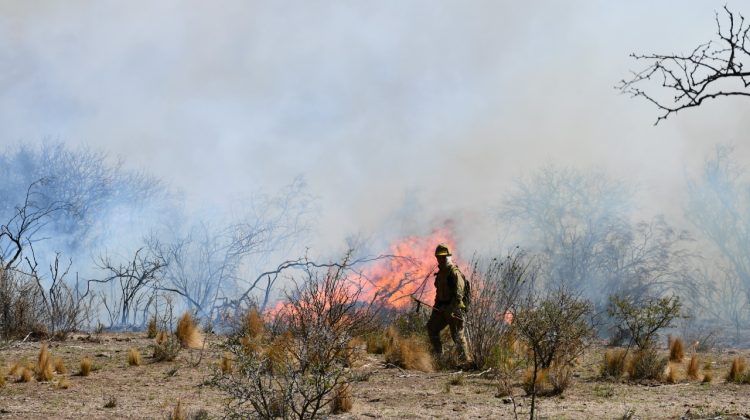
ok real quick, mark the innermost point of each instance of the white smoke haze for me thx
(400, 117)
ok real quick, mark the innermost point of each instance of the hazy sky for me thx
(399, 114)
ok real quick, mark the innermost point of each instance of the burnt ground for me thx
(152, 389)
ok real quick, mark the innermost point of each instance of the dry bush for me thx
(60, 366)
(614, 363)
(737, 370)
(672, 374)
(26, 375)
(342, 401)
(692, 370)
(43, 368)
(178, 413)
(646, 364)
(152, 330)
(676, 350)
(226, 364)
(300, 362)
(21, 306)
(134, 357)
(495, 287)
(85, 368)
(188, 333)
(409, 353)
(167, 349)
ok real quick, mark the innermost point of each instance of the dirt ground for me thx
(153, 389)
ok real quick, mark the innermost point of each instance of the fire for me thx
(409, 273)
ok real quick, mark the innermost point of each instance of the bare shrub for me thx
(188, 333)
(676, 350)
(85, 368)
(496, 287)
(410, 353)
(737, 370)
(556, 329)
(646, 364)
(134, 357)
(692, 370)
(311, 336)
(167, 349)
(343, 401)
(614, 363)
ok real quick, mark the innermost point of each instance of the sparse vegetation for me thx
(166, 349)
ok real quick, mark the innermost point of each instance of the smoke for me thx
(401, 117)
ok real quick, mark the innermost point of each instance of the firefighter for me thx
(450, 304)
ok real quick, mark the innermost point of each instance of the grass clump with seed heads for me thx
(152, 328)
(226, 364)
(85, 368)
(60, 366)
(178, 413)
(188, 333)
(134, 357)
(692, 370)
(737, 370)
(343, 401)
(408, 353)
(676, 350)
(43, 369)
(614, 363)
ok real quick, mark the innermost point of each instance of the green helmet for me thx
(442, 250)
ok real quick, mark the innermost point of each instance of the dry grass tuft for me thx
(343, 401)
(2, 376)
(60, 366)
(408, 353)
(646, 364)
(161, 337)
(134, 357)
(43, 368)
(226, 364)
(26, 375)
(375, 342)
(15, 369)
(152, 330)
(167, 349)
(707, 373)
(252, 324)
(737, 370)
(692, 370)
(676, 350)
(178, 413)
(63, 383)
(528, 380)
(85, 368)
(672, 374)
(614, 363)
(188, 333)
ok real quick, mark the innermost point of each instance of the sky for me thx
(400, 116)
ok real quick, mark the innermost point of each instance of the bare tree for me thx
(138, 276)
(711, 70)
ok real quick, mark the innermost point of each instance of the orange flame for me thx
(409, 273)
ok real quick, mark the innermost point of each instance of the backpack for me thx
(467, 288)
